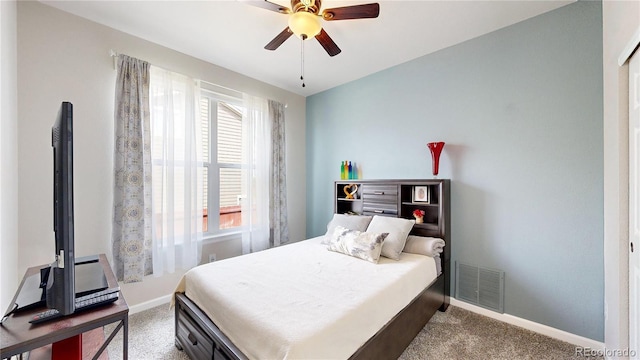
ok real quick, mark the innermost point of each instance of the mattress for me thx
(301, 301)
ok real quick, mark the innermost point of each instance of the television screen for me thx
(60, 294)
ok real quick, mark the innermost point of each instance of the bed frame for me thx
(200, 338)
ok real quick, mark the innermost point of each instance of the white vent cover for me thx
(479, 286)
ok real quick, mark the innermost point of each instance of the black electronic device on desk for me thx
(91, 289)
(68, 284)
(18, 335)
(83, 303)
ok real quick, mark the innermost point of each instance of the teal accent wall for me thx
(520, 110)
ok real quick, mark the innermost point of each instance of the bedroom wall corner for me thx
(9, 275)
(520, 110)
(63, 57)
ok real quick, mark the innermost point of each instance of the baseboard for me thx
(533, 326)
(150, 304)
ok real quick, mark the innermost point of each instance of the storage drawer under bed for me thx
(193, 340)
(196, 344)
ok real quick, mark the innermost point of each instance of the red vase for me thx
(436, 149)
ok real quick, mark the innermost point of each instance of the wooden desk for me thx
(18, 336)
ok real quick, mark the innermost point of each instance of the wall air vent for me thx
(479, 286)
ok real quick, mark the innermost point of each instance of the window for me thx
(221, 123)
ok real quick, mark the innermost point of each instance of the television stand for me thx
(18, 336)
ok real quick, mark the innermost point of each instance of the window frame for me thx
(213, 167)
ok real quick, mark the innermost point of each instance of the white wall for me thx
(620, 21)
(9, 275)
(62, 57)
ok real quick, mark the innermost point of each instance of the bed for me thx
(300, 301)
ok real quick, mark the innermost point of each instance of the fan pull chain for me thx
(302, 59)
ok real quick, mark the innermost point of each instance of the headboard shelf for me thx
(399, 198)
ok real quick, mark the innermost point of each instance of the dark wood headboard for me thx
(399, 198)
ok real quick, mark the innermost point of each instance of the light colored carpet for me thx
(454, 334)
(461, 334)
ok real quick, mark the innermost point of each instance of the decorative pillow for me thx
(351, 222)
(422, 245)
(362, 245)
(398, 230)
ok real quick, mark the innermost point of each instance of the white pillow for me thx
(398, 230)
(362, 245)
(351, 222)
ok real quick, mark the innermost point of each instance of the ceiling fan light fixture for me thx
(304, 24)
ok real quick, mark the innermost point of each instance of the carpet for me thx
(454, 334)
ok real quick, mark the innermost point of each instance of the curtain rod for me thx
(221, 87)
(114, 54)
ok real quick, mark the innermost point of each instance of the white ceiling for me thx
(234, 34)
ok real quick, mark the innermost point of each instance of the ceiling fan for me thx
(304, 20)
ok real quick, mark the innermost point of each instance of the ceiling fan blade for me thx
(363, 11)
(279, 39)
(268, 5)
(327, 43)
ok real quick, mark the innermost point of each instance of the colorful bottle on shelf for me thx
(345, 173)
(349, 170)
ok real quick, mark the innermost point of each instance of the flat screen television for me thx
(60, 284)
(60, 293)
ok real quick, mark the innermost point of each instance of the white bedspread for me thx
(301, 301)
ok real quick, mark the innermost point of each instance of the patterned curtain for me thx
(278, 218)
(131, 237)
